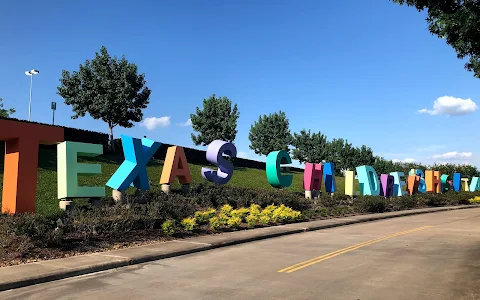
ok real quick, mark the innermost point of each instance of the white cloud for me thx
(406, 160)
(451, 106)
(153, 122)
(453, 155)
(187, 123)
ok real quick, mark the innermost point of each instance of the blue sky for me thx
(360, 70)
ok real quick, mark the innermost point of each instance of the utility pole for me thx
(54, 107)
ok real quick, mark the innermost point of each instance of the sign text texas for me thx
(21, 162)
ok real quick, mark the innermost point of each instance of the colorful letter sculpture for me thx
(175, 166)
(422, 186)
(215, 156)
(133, 170)
(329, 177)
(21, 162)
(349, 183)
(457, 181)
(68, 170)
(312, 177)
(412, 184)
(445, 183)
(367, 177)
(432, 179)
(398, 183)
(475, 185)
(386, 185)
(274, 161)
(466, 187)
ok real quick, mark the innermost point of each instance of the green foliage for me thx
(345, 156)
(457, 22)
(264, 219)
(206, 121)
(283, 214)
(223, 219)
(268, 211)
(168, 227)
(371, 204)
(252, 219)
(106, 88)
(234, 222)
(226, 210)
(202, 217)
(241, 213)
(317, 212)
(215, 223)
(270, 133)
(255, 209)
(219, 195)
(309, 147)
(5, 113)
(189, 224)
(474, 200)
(27, 235)
(405, 202)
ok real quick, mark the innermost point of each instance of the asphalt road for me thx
(432, 256)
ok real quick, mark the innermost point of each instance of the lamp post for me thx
(54, 107)
(31, 73)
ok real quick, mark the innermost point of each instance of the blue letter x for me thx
(133, 170)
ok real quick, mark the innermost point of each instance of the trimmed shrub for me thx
(268, 211)
(372, 204)
(226, 210)
(255, 209)
(404, 202)
(240, 212)
(219, 195)
(215, 223)
(203, 217)
(285, 214)
(234, 222)
(328, 201)
(252, 220)
(223, 219)
(168, 227)
(264, 219)
(189, 224)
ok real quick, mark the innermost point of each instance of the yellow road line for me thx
(318, 259)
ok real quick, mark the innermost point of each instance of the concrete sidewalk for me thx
(44, 271)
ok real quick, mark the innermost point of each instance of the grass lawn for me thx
(47, 202)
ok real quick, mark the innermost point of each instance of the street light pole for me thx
(54, 107)
(30, 103)
(31, 73)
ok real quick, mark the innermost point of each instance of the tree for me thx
(270, 133)
(366, 156)
(5, 113)
(457, 21)
(217, 121)
(335, 148)
(309, 147)
(350, 157)
(106, 88)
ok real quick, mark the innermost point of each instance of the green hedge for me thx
(24, 235)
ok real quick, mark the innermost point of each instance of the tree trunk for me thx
(111, 145)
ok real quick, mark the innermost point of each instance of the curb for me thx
(19, 276)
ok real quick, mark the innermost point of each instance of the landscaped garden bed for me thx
(205, 209)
